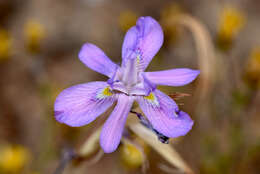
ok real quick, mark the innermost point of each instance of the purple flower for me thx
(81, 104)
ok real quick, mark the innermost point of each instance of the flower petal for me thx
(145, 39)
(130, 42)
(113, 128)
(164, 115)
(173, 77)
(94, 58)
(81, 104)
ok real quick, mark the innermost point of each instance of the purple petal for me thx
(81, 104)
(94, 58)
(164, 115)
(130, 42)
(145, 39)
(113, 128)
(173, 77)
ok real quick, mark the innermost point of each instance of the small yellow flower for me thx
(131, 156)
(253, 67)
(34, 33)
(126, 20)
(13, 158)
(170, 10)
(5, 45)
(231, 22)
(171, 31)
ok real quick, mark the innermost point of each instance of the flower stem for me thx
(67, 156)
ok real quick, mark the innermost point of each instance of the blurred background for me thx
(39, 43)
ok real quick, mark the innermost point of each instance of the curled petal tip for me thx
(58, 116)
(197, 72)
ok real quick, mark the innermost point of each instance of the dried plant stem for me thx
(205, 50)
(206, 58)
(165, 150)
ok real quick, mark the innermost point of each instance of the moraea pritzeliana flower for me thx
(81, 104)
